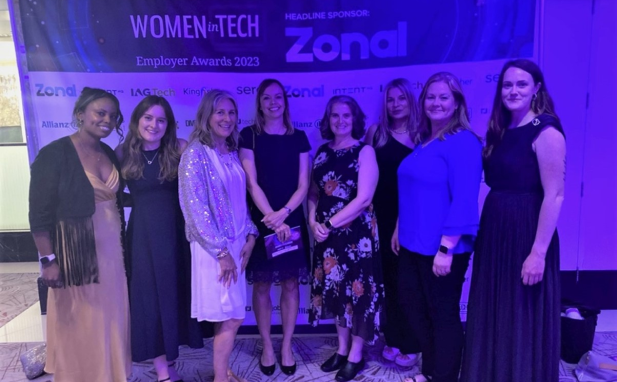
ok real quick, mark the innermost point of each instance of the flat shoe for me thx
(350, 370)
(334, 363)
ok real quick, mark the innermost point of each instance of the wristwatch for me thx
(47, 260)
(287, 209)
(443, 249)
(328, 224)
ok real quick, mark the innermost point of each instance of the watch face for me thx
(44, 260)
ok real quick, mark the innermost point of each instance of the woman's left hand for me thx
(442, 264)
(245, 253)
(274, 219)
(533, 269)
(283, 232)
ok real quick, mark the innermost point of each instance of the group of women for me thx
(195, 237)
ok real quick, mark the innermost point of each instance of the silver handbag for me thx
(33, 361)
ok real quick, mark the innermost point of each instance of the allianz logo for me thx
(395, 44)
(55, 91)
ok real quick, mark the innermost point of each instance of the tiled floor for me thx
(26, 330)
(195, 365)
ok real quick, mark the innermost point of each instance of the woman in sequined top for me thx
(218, 225)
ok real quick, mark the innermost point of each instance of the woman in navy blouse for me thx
(438, 221)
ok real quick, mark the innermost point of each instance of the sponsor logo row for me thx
(292, 91)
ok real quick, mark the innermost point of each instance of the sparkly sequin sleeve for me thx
(250, 227)
(202, 224)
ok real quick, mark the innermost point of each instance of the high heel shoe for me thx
(267, 370)
(334, 363)
(350, 370)
(288, 370)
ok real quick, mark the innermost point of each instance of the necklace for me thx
(88, 153)
(151, 160)
(400, 132)
(227, 159)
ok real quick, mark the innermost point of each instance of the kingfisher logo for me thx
(196, 91)
(304, 92)
(55, 91)
(138, 92)
(395, 44)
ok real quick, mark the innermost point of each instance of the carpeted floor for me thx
(311, 351)
(18, 292)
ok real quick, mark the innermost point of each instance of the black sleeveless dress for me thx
(513, 330)
(347, 277)
(159, 269)
(394, 326)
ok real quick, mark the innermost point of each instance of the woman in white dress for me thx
(218, 224)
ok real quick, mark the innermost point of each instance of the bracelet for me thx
(223, 253)
(287, 209)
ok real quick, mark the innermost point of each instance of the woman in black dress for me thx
(514, 304)
(158, 253)
(392, 140)
(347, 282)
(275, 158)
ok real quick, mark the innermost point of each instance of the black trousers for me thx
(395, 326)
(431, 304)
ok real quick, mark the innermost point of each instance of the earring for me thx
(534, 96)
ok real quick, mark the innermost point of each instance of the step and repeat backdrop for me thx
(317, 49)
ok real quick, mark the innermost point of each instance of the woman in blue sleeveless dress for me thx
(158, 253)
(514, 304)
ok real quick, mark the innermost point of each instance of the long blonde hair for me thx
(460, 118)
(385, 121)
(203, 130)
(169, 152)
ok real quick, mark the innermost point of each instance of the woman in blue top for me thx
(438, 221)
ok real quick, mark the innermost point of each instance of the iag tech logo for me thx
(55, 91)
(143, 92)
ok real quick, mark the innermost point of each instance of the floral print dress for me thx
(347, 283)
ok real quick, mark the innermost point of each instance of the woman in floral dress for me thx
(347, 282)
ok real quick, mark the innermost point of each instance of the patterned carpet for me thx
(18, 292)
(311, 351)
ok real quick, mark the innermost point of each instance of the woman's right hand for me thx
(319, 231)
(229, 271)
(51, 275)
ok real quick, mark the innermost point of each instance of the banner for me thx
(183, 49)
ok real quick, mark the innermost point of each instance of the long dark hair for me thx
(260, 121)
(501, 116)
(169, 152)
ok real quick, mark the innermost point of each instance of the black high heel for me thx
(350, 370)
(267, 370)
(288, 370)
